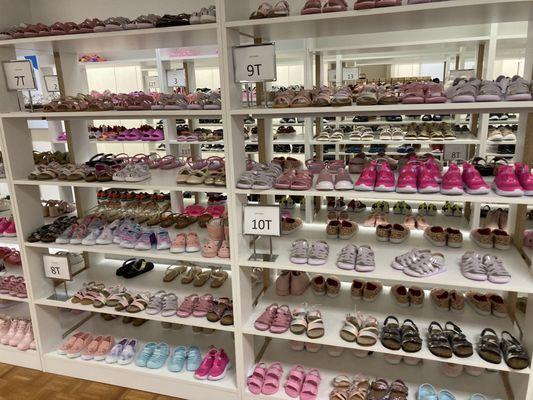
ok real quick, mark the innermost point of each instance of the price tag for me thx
(255, 63)
(176, 78)
(57, 267)
(152, 82)
(51, 82)
(262, 220)
(350, 74)
(184, 150)
(19, 75)
(454, 152)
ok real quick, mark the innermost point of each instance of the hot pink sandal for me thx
(295, 381)
(310, 386)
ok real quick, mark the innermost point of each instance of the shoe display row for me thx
(161, 302)
(9, 257)
(111, 24)
(107, 133)
(13, 285)
(16, 332)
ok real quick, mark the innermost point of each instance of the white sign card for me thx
(350, 74)
(52, 83)
(262, 221)
(57, 267)
(19, 75)
(152, 82)
(255, 63)
(184, 150)
(176, 78)
(454, 152)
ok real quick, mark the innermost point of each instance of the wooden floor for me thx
(18, 383)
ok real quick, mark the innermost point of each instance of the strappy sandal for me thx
(189, 275)
(101, 299)
(315, 325)
(123, 300)
(227, 317)
(139, 303)
(368, 334)
(514, 353)
(438, 343)
(411, 340)
(350, 327)
(398, 390)
(299, 320)
(183, 221)
(173, 271)
(310, 384)
(218, 277)
(391, 336)
(460, 345)
(489, 346)
(302, 99)
(217, 311)
(334, 6)
(201, 278)
(379, 389)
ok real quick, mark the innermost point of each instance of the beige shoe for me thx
(383, 232)
(479, 302)
(416, 296)
(454, 237)
(440, 299)
(318, 285)
(492, 221)
(347, 229)
(483, 237)
(299, 283)
(400, 295)
(372, 290)
(436, 235)
(332, 229)
(502, 240)
(357, 289)
(290, 225)
(398, 233)
(457, 301)
(498, 305)
(283, 283)
(333, 286)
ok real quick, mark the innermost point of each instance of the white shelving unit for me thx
(53, 318)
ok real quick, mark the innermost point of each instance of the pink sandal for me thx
(282, 320)
(334, 6)
(435, 93)
(203, 306)
(364, 4)
(272, 379)
(312, 7)
(310, 386)
(388, 3)
(295, 380)
(413, 93)
(188, 305)
(264, 321)
(256, 380)
(303, 180)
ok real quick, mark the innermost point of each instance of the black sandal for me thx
(391, 336)
(411, 340)
(514, 353)
(139, 267)
(438, 342)
(126, 265)
(460, 345)
(489, 346)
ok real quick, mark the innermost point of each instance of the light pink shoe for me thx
(33, 345)
(5, 323)
(310, 386)
(325, 180)
(272, 379)
(81, 343)
(203, 371)
(385, 181)
(179, 243)
(105, 346)
(473, 181)
(367, 179)
(204, 304)
(427, 181)
(215, 229)
(295, 379)
(525, 178)
(452, 181)
(193, 243)
(223, 251)
(210, 249)
(19, 334)
(89, 351)
(69, 342)
(11, 332)
(506, 183)
(10, 230)
(407, 179)
(220, 367)
(28, 338)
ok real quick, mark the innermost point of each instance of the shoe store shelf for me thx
(404, 122)
(13, 298)
(138, 114)
(334, 311)
(443, 108)
(374, 367)
(114, 249)
(152, 282)
(386, 19)
(9, 240)
(161, 180)
(173, 141)
(162, 381)
(135, 39)
(27, 359)
(385, 252)
(460, 139)
(492, 197)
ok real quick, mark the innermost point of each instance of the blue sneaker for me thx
(145, 354)
(194, 358)
(426, 392)
(159, 356)
(177, 360)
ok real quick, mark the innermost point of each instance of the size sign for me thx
(350, 74)
(57, 267)
(51, 82)
(262, 220)
(176, 78)
(184, 150)
(454, 152)
(255, 63)
(19, 75)
(152, 82)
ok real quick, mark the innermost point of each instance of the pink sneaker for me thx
(367, 180)
(223, 251)
(452, 181)
(427, 181)
(19, 334)
(89, 352)
(5, 323)
(473, 181)
(193, 243)
(79, 344)
(220, 366)
(10, 230)
(434, 167)
(4, 223)
(524, 177)
(506, 183)
(203, 371)
(27, 339)
(385, 182)
(325, 180)
(179, 243)
(11, 332)
(407, 179)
